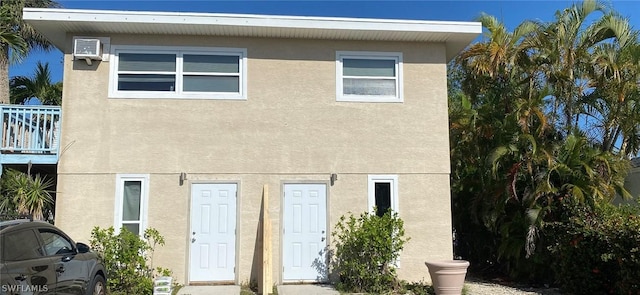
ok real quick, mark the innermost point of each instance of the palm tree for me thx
(24, 194)
(613, 106)
(500, 52)
(13, 26)
(12, 40)
(496, 61)
(564, 47)
(24, 88)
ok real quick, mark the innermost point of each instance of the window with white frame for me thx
(178, 72)
(369, 76)
(383, 193)
(132, 195)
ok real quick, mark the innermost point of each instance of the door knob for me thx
(322, 239)
(193, 240)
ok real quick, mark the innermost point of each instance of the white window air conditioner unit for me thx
(87, 49)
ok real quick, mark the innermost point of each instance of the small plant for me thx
(176, 288)
(366, 248)
(249, 287)
(418, 288)
(422, 288)
(128, 259)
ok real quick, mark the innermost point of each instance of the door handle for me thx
(322, 239)
(20, 278)
(193, 240)
(60, 269)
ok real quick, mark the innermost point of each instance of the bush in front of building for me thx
(597, 251)
(128, 259)
(366, 250)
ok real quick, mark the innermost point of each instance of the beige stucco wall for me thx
(289, 129)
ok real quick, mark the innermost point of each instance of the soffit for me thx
(54, 24)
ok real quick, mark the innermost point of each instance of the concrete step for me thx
(307, 290)
(208, 290)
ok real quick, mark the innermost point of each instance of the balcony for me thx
(30, 134)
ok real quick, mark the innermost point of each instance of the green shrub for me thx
(23, 194)
(128, 259)
(418, 288)
(366, 248)
(597, 251)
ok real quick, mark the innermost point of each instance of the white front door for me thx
(213, 232)
(305, 232)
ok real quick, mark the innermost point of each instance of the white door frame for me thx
(328, 215)
(188, 220)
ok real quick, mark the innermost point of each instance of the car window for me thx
(54, 243)
(20, 245)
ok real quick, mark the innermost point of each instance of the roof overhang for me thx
(54, 24)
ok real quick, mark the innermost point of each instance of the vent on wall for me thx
(87, 49)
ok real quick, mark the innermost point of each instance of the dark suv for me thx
(38, 258)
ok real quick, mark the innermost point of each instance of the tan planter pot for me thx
(447, 276)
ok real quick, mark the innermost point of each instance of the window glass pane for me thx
(383, 197)
(369, 87)
(131, 200)
(147, 82)
(132, 227)
(212, 84)
(369, 67)
(146, 62)
(55, 244)
(211, 63)
(20, 245)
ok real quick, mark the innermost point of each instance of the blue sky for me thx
(511, 12)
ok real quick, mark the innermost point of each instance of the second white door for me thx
(213, 232)
(305, 232)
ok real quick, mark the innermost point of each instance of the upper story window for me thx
(369, 76)
(178, 72)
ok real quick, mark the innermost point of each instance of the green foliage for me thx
(22, 193)
(17, 38)
(419, 288)
(12, 23)
(23, 88)
(13, 40)
(366, 248)
(546, 112)
(597, 251)
(249, 287)
(128, 259)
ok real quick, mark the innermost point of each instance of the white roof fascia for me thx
(51, 23)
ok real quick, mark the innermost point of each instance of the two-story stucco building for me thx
(184, 117)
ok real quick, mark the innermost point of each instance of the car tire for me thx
(98, 286)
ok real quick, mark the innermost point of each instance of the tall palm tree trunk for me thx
(11, 23)
(4, 74)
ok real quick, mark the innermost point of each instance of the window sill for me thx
(142, 95)
(369, 99)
